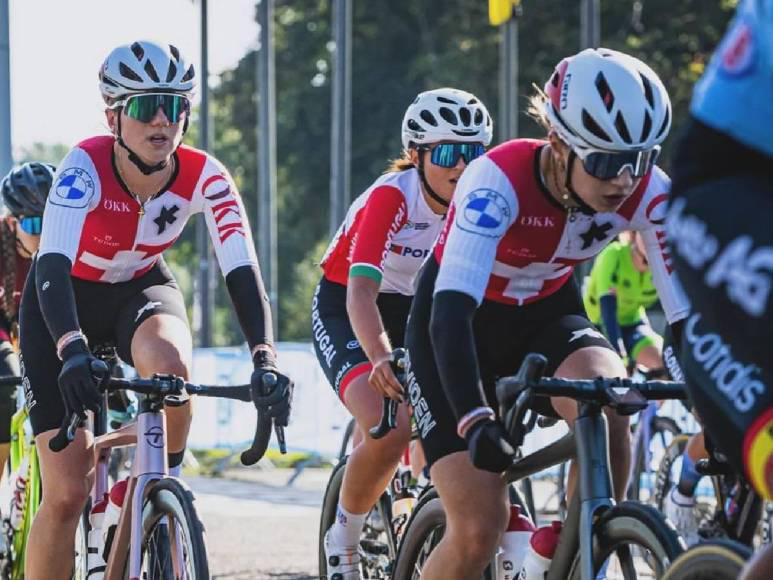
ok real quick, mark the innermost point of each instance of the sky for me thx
(57, 47)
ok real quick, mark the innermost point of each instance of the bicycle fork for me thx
(594, 494)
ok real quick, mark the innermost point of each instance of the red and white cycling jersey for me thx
(387, 233)
(93, 220)
(508, 240)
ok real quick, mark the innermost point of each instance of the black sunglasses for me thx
(603, 165)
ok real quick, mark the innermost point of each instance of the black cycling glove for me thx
(79, 379)
(489, 446)
(279, 397)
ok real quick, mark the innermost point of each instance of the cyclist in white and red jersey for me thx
(360, 307)
(500, 283)
(117, 203)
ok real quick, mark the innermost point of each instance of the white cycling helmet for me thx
(446, 115)
(601, 99)
(143, 67)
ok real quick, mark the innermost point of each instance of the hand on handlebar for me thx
(276, 401)
(382, 378)
(489, 446)
(79, 379)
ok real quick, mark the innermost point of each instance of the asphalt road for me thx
(257, 526)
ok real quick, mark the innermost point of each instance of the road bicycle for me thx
(25, 484)
(628, 540)
(159, 534)
(382, 530)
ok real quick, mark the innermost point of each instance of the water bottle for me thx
(513, 546)
(95, 561)
(112, 514)
(19, 495)
(540, 553)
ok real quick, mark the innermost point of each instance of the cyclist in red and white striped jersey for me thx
(117, 203)
(360, 307)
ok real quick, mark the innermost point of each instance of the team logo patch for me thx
(74, 188)
(353, 345)
(484, 212)
(738, 53)
(758, 454)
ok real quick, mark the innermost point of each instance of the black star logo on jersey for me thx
(595, 232)
(166, 217)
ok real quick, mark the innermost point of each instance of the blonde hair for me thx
(536, 108)
(402, 163)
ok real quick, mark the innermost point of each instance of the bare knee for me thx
(477, 536)
(65, 501)
(392, 446)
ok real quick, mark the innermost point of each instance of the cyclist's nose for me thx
(160, 118)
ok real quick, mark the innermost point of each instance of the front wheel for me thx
(712, 560)
(424, 532)
(169, 512)
(631, 540)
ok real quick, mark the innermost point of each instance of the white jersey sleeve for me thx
(650, 221)
(226, 218)
(485, 205)
(74, 193)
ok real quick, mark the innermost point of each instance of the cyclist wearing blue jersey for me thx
(719, 227)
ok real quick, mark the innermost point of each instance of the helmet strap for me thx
(145, 168)
(584, 207)
(425, 183)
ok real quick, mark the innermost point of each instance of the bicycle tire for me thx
(170, 497)
(348, 433)
(375, 552)
(424, 531)
(658, 427)
(328, 513)
(719, 559)
(628, 523)
(81, 562)
(663, 480)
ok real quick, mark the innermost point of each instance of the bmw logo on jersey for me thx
(74, 188)
(484, 212)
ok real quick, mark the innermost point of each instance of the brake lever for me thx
(389, 406)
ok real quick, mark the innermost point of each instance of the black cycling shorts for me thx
(722, 243)
(108, 314)
(556, 327)
(338, 351)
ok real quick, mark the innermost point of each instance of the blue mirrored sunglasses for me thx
(448, 154)
(32, 225)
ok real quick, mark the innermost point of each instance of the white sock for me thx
(347, 528)
(681, 499)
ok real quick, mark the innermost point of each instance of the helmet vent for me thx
(478, 117)
(151, 71)
(647, 128)
(428, 117)
(648, 90)
(590, 124)
(175, 52)
(472, 102)
(554, 79)
(171, 72)
(188, 75)
(664, 126)
(447, 100)
(605, 92)
(129, 73)
(448, 115)
(465, 116)
(622, 128)
(138, 51)
(414, 126)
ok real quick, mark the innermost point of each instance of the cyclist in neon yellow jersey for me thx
(618, 291)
